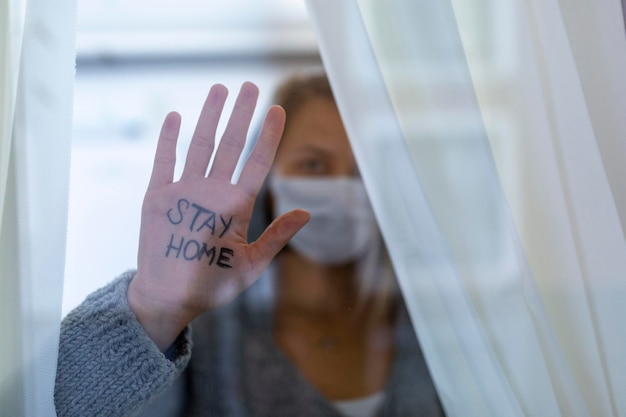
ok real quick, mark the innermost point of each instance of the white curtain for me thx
(36, 76)
(492, 142)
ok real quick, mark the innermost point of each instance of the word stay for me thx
(199, 218)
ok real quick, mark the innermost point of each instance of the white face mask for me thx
(342, 226)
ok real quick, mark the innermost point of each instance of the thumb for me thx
(275, 237)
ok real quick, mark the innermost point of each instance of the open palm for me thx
(193, 253)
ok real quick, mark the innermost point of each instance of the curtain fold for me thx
(37, 75)
(11, 27)
(490, 140)
(12, 24)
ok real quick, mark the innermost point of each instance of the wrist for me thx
(161, 321)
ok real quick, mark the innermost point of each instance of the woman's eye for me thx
(313, 166)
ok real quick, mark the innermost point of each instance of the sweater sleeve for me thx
(108, 366)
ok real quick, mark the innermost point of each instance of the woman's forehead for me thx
(317, 117)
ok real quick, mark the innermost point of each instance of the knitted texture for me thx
(108, 366)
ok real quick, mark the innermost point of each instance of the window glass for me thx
(325, 331)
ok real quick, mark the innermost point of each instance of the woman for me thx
(322, 334)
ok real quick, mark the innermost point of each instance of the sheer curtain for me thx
(493, 147)
(37, 69)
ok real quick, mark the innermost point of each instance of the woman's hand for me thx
(193, 252)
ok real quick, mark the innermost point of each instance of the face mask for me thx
(342, 225)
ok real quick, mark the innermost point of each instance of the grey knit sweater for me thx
(109, 367)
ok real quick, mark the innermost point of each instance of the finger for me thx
(203, 139)
(275, 238)
(260, 160)
(234, 137)
(165, 156)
